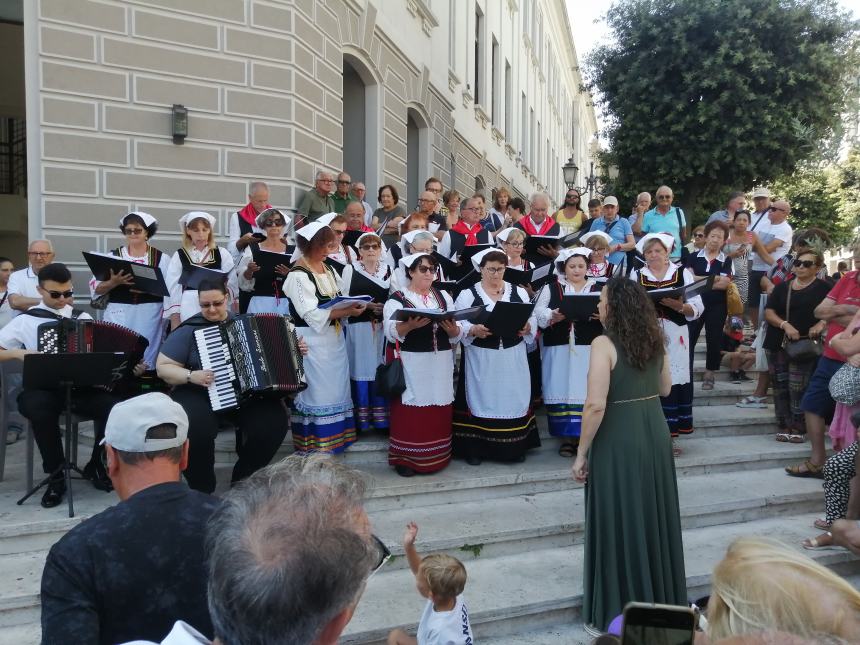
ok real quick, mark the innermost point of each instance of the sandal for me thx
(796, 438)
(823, 542)
(783, 437)
(824, 525)
(567, 450)
(677, 451)
(708, 383)
(812, 470)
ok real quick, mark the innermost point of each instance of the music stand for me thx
(67, 371)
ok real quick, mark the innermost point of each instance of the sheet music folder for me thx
(580, 307)
(537, 277)
(146, 278)
(267, 261)
(508, 318)
(437, 315)
(686, 292)
(361, 285)
(193, 275)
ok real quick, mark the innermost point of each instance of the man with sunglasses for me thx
(341, 196)
(665, 218)
(317, 201)
(775, 234)
(290, 553)
(43, 407)
(23, 285)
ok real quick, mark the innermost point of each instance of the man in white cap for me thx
(131, 571)
(761, 200)
(618, 228)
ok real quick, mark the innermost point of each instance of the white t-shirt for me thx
(767, 232)
(23, 282)
(445, 627)
(22, 332)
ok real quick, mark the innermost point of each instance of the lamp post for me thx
(591, 181)
(570, 170)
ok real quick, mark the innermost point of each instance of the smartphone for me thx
(259, 236)
(651, 624)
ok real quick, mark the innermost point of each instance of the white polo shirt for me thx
(23, 283)
(22, 332)
(767, 232)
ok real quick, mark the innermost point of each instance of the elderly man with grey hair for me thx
(290, 551)
(23, 286)
(539, 222)
(317, 201)
(244, 230)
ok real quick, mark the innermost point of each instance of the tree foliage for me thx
(709, 96)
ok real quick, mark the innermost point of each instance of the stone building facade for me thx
(480, 93)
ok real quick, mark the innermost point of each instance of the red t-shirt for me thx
(846, 292)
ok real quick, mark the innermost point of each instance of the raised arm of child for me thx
(409, 547)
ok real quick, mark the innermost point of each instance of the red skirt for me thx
(420, 437)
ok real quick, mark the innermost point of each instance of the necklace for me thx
(798, 285)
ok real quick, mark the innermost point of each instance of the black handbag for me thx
(802, 349)
(390, 380)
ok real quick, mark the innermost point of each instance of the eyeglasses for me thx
(273, 222)
(40, 254)
(516, 245)
(213, 305)
(494, 270)
(369, 247)
(572, 196)
(343, 181)
(133, 231)
(424, 268)
(56, 295)
(699, 235)
(428, 201)
(326, 181)
(469, 208)
(664, 197)
(339, 232)
(384, 555)
(806, 264)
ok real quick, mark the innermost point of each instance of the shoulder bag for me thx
(802, 349)
(390, 380)
(845, 385)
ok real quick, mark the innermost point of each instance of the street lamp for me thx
(591, 181)
(570, 170)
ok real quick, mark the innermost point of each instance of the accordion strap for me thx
(38, 312)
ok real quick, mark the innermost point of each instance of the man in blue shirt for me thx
(735, 203)
(665, 218)
(618, 228)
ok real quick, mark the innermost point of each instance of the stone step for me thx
(504, 596)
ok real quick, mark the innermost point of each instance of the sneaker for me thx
(735, 377)
(743, 376)
(752, 402)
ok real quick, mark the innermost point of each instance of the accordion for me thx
(251, 355)
(75, 336)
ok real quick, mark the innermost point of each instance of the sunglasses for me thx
(212, 305)
(781, 210)
(133, 231)
(664, 197)
(383, 557)
(56, 295)
(342, 181)
(273, 222)
(424, 268)
(339, 232)
(699, 235)
(806, 264)
(369, 247)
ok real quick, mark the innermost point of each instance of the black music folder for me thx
(351, 237)
(468, 251)
(456, 286)
(536, 277)
(686, 292)
(146, 278)
(437, 315)
(580, 307)
(267, 261)
(534, 242)
(193, 275)
(361, 285)
(508, 318)
(449, 267)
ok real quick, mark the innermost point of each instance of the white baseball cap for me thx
(130, 420)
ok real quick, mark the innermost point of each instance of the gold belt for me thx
(641, 398)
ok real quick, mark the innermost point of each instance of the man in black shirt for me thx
(131, 571)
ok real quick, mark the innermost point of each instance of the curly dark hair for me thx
(631, 320)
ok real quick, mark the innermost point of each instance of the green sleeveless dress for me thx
(633, 547)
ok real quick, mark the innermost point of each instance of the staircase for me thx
(517, 527)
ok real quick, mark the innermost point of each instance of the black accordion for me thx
(251, 356)
(75, 336)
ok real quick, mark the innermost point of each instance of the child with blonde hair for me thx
(441, 579)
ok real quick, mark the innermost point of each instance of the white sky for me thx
(589, 30)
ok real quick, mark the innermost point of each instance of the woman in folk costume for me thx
(266, 287)
(674, 314)
(339, 251)
(417, 241)
(402, 247)
(467, 232)
(420, 440)
(599, 266)
(493, 418)
(365, 337)
(198, 249)
(566, 347)
(322, 418)
(140, 312)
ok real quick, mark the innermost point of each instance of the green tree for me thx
(709, 96)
